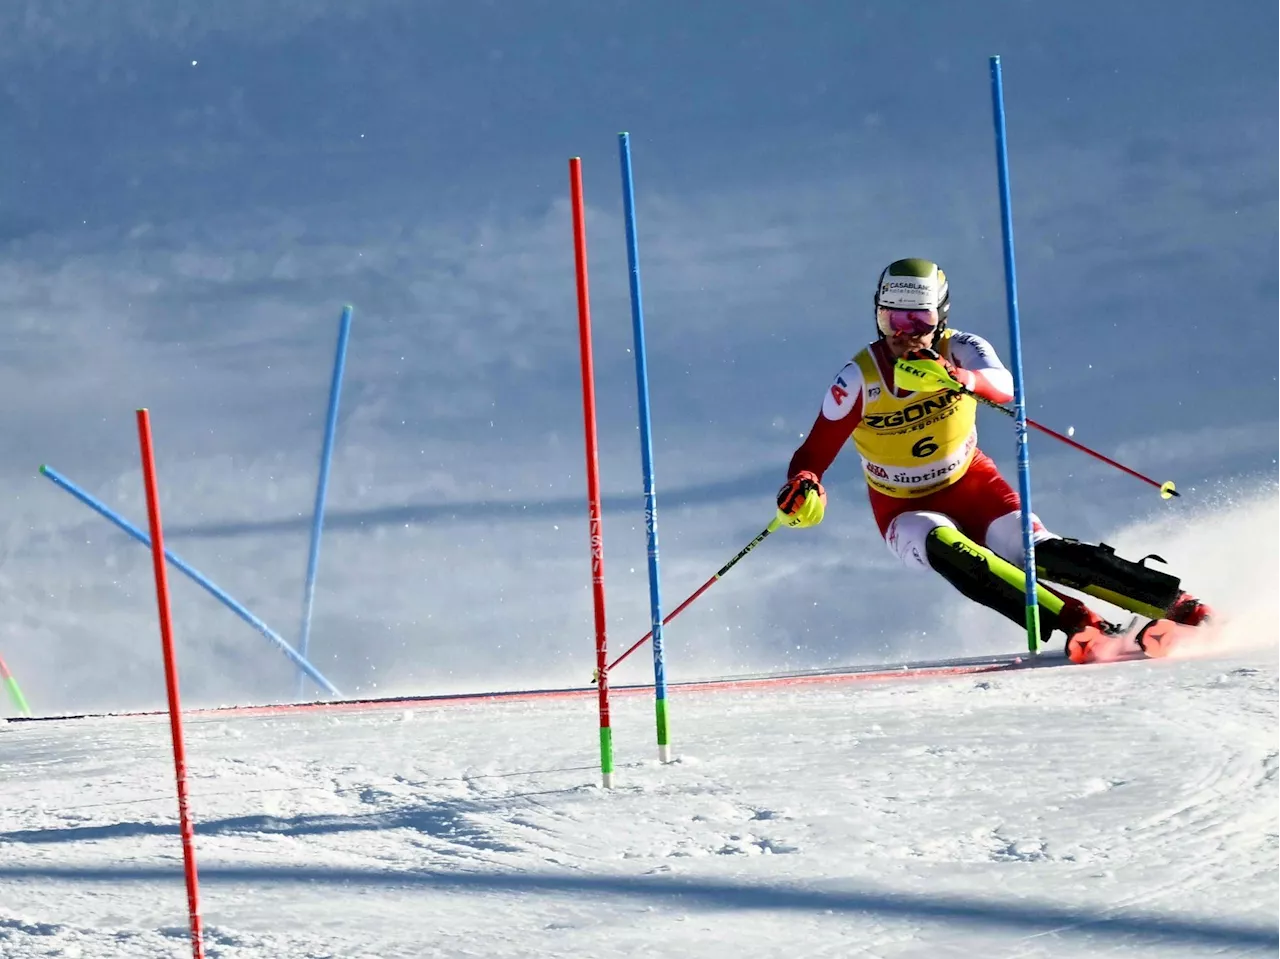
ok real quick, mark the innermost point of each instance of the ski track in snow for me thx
(1119, 810)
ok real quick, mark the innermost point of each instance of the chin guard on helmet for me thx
(911, 285)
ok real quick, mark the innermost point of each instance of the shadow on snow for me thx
(711, 894)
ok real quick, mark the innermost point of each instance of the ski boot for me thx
(1158, 638)
(1189, 611)
(1086, 631)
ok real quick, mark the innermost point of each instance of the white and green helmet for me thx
(914, 284)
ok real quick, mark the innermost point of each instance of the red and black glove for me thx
(802, 501)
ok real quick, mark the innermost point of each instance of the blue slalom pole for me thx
(102, 509)
(646, 452)
(322, 487)
(1015, 352)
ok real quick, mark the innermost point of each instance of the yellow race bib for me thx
(916, 444)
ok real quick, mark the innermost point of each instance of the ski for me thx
(1150, 639)
(1163, 637)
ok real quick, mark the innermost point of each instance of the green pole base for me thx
(606, 757)
(664, 731)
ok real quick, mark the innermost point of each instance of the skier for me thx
(938, 500)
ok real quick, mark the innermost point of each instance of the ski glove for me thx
(929, 370)
(802, 501)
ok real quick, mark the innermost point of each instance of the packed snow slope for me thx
(1124, 811)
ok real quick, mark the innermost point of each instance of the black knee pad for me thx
(1098, 571)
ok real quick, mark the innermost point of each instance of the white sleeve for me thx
(971, 352)
(845, 393)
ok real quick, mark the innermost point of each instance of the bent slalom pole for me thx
(700, 590)
(200, 579)
(927, 374)
(322, 488)
(15, 693)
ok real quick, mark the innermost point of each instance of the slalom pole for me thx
(15, 692)
(594, 510)
(171, 681)
(221, 595)
(646, 452)
(926, 374)
(322, 488)
(700, 590)
(1015, 351)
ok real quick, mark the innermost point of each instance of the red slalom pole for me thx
(593, 467)
(171, 680)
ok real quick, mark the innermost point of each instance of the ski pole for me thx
(915, 371)
(700, 590)
(1166, 488)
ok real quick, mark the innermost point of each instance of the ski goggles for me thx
(906, 322)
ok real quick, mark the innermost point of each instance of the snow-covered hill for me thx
(1127, 810)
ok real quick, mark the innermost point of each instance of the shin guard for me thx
(985, 578)
(1098, 571)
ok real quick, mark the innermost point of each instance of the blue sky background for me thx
(190, 192)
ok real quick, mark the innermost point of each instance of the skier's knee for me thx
(908, 534)
(1004, 536)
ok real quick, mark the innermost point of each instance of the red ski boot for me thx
(1160, 637)
(1088, 634)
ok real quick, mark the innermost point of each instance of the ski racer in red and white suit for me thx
(938, 500)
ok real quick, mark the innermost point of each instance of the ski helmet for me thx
(912, 284)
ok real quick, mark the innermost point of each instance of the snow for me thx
(1117, 810)
(1121, 810)
(164, 251)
